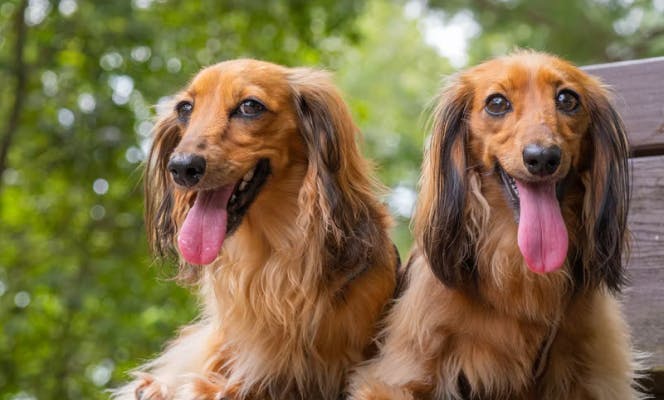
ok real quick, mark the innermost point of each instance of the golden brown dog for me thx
(256, 174)
(520, 228)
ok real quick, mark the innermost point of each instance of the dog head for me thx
(533, 122)
(240, 129)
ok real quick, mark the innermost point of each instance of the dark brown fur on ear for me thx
(337, 184)
(607, 197)
(440, 222)
(159, 196)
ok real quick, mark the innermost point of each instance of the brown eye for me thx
(250, 108)
(184, 109)
(497, 105)
(567, 101)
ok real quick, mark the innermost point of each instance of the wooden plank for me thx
(639, 89)
(644, 297)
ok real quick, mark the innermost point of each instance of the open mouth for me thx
(542, 234)
(512, 190)
(217, 213)
(245, 193)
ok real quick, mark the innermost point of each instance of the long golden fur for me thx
(475, 322)
(291, 302)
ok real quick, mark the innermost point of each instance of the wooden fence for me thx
(639, 97)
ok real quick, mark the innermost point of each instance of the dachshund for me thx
(256, 182)
(520, 228)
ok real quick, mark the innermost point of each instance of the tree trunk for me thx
(20, 78)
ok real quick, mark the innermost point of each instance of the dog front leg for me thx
(189, 355)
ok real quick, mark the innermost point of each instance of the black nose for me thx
(187, 169)
(541, 160)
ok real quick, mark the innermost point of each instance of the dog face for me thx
(532, 122)
(237, 121)
(528, 121)
(528, 116)
(230, 117)
(241, 129)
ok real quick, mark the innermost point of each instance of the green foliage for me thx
(80, 304)
(584, 31)
(81, 301)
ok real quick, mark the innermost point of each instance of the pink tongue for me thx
(204, 229)
(542, 234)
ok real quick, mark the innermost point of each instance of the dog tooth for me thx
(243, 185)
(233, 199)
(248, 175)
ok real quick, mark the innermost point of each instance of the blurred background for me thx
(81, 300)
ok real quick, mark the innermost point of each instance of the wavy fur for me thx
(474, 321)
(292, 301)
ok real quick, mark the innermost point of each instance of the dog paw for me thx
(205, 388)
(148, 388)
(370, 389)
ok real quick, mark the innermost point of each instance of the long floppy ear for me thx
(158, 190)
(440, 216)
(607, 194)
(337, 188)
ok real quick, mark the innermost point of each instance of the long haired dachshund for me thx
(520, 230)
(256, 178)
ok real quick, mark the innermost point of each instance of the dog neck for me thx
(503, 280)
(267, 282)
(278, 282)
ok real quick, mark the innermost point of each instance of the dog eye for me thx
(250, 108)
(497, 105)
(184, 109)
(567, 101)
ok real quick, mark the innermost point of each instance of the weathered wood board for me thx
(639, 96)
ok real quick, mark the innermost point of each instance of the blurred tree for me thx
(584, 31)
(78, 305)
(391, 77)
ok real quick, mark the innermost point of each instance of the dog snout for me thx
(540, 160)
(187, 169)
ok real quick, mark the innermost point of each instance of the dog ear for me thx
(440, 222)
(326, 127)
(607, 195)
(337, 188)
(158, 190)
